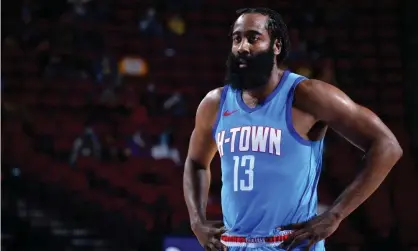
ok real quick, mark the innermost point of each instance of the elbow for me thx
(394, 147)
(398, 151)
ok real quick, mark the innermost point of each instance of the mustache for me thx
(255, 73)
(235, 60)
(253, 62)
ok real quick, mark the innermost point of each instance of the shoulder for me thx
(209, 107)
(319, 98)
(214, 96)
(212, 100)
(315, 87)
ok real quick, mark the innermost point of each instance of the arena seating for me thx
(366, 50)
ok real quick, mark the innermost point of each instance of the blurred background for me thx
(98, 103)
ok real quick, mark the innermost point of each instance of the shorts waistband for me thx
(241, 241)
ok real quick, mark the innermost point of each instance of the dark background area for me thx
(98, 103)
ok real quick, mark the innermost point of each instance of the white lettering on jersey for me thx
(250, 139)
(220, 142)
(233, 134)
(244, 139)
(274, 142)
(259, 138)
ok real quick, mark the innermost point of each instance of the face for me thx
(253, 53)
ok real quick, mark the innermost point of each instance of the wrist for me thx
(336, 214)
(196, 221)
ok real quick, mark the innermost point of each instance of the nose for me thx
(244, 48)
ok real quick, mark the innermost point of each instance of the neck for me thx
(262, 92)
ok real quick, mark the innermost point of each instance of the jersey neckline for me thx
(276, 90)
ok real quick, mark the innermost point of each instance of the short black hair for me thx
(275, 26)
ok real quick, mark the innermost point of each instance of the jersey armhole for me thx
(289, 117)
(218, 115)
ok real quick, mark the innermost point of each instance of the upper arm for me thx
(356, 123)
(202, 146)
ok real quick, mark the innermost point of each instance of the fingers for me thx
(215, 245)
(218, 232)
(295, 239)
(218, 244)
(295, 226)
(310, 244)
(210, 247)
(298, 240)
(291, 237)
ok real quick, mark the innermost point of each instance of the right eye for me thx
(236, 39)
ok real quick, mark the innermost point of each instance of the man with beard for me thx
(268, 126)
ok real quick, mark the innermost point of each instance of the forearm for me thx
(196, 183)
(381, 157)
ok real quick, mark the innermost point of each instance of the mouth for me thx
(242, 63)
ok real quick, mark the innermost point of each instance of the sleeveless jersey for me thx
(269, 172)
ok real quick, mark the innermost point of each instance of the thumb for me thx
(215, 223)
(219, 231)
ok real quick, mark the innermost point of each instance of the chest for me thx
(257, 132)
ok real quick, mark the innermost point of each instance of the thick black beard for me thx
(255, 75)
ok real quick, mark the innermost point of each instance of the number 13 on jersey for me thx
(245, 162)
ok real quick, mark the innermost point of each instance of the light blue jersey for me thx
(269, 172)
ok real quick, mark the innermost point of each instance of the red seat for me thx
(145, 217)
(405, 202)
(55, 175)
(379, 211)
(46, 126)
(51, 100)
(86, 163)
(72, 127)
(76, 182)
(63, 143)
(114, 204)
(38, 164)
(75, 101)
(146, 193)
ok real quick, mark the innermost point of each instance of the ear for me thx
(277, 47)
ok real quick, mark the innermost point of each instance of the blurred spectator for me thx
(178, 5)
(86, 145)
(176, 25)
(108, 97)
(105, 69)
(165, 150)
(110, 150)
(28, 8)
(135, 146)
(150, 100)
(139, 115)
(327, 73)
(298, 45)
(63, 60)
(340, 14)
(51, 9)
(80, 7)
(11, 46)
(149, 25)
(318, 44)
(130, 98)
(57, 66)
(304, 70)
(175, 105)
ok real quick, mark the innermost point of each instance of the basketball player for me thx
(268, 126)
